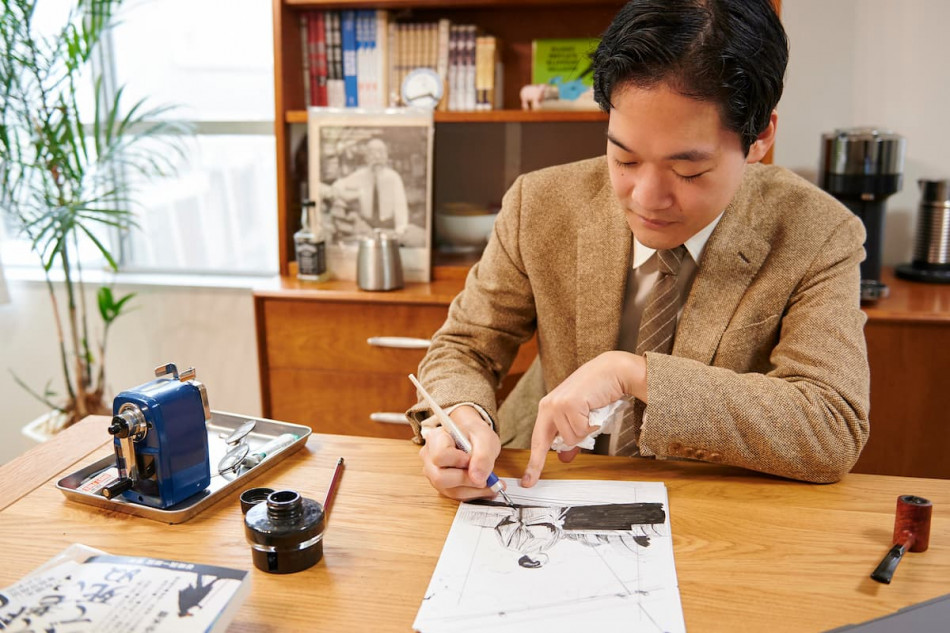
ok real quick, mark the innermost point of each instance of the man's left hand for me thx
(565, 410)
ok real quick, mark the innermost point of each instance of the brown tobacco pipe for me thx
(911, 533)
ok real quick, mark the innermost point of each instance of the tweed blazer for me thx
(769, 365)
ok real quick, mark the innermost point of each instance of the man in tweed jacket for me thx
(768, 369)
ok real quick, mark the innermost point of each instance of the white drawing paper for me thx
(573, 555)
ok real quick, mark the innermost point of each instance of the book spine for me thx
(340, 88)
(412, 47)
(498, 85)
(482, 82)
(381, 50)
(362, 77)
(305, 57)
(321, 74)
(372, 82)
(469, 77)
(432, 45)
(334, 70)
(393, 62)
(453, 70)
(312, 53)
(348, 44)
(442, 61)
(402, 56)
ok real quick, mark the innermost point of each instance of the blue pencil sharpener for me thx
(160, 439)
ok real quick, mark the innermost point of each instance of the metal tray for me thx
(220, 426)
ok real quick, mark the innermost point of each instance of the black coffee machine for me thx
(861, 167)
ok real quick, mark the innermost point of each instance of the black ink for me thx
(619, 516)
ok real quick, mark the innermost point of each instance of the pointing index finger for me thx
(541, 440)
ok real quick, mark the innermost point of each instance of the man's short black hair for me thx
(729, 52)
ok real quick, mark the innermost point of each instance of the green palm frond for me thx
(58, 178)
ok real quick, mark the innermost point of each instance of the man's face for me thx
(376, 153)
(673, 165)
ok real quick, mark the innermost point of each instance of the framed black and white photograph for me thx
(369, 170)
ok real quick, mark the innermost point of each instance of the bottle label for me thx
(311, 257)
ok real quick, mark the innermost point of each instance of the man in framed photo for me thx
(372, 197)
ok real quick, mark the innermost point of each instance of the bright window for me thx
(213, 60)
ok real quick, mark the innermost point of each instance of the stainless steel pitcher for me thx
(378, 264)
(931, 261)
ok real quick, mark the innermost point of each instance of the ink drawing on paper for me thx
(596, 554)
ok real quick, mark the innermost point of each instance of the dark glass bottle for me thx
(309, 246)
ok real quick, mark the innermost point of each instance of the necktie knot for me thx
(671, 260)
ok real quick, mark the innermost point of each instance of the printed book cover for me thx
(84, 589)
(565, 63)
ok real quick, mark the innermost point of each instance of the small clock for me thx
(423, 88)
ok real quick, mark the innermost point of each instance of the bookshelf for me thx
(495, 145)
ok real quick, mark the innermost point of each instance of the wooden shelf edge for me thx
(493, 116)
(436, 292)
(432, 4)
(521, 116)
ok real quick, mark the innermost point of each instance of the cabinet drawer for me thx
(332, 336)
(341, 402)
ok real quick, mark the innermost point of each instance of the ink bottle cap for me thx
(252, 496)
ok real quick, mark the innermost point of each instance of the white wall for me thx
(870, 62)
(210, 329)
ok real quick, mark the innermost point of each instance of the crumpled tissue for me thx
(606, 419)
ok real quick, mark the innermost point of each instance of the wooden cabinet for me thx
(908, 336)
(321, 367)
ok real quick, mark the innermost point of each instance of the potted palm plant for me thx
(66, 181)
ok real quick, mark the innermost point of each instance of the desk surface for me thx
(752, 552)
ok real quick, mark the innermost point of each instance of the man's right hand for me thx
(453, 472)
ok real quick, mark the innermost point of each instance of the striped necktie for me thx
(657, 327)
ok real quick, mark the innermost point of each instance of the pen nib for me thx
(506, 498)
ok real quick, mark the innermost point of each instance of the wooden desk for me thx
(753, 553)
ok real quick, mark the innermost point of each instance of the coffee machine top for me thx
(861, 167)
(866, 163)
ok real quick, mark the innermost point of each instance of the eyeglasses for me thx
(233, 460)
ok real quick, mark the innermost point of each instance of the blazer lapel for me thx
(731, 259)
(603, 258)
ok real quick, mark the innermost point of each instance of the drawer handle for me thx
(402, 342)
(388, 417)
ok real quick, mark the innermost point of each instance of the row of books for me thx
(359, 58)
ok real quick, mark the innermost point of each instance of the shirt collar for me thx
(694, 245)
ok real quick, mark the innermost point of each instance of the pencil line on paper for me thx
(526, 610)
(613, 572)
(647, 613)
(478, 540)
